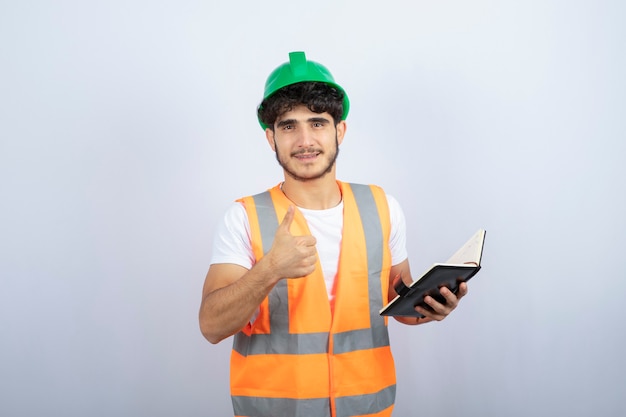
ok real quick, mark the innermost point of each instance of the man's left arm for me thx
(439, 311)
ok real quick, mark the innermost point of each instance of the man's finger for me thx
(463, 289)
(285, 225)
(306, 241)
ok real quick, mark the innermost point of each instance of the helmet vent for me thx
(297, 61)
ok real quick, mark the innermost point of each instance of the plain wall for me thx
(127, 127)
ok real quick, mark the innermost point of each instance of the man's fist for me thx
(292, 256)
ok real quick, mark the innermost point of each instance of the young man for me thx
(299, 272)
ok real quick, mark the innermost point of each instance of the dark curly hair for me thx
(317, 96)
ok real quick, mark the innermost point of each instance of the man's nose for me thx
(305, 137)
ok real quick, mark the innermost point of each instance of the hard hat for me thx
(297, 70)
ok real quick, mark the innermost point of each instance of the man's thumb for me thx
(287, 220)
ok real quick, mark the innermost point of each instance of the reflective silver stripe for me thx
(268, 222)
(275, 407)
(278, 299)
(280, 343)
(354, 405)
(374, 242)
(307, 343)
(357, 405)
(360, 339)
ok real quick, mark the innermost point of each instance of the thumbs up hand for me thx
(292, 256)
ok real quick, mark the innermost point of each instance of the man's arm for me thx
(439, 311)
(230, 296)
(232, 293)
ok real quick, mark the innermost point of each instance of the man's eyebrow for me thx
(286, 122)
(318, 120)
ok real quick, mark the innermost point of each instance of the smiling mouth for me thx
(306, 154)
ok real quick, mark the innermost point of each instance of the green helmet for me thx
(297, 70)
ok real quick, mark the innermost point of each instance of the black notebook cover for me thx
(462, 266)
(440, 275)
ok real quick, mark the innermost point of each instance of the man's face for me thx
(306, 143)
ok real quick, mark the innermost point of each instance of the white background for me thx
(127, 127)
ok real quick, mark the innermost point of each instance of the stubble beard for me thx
(329, 168)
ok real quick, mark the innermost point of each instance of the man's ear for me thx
(341, 131)
(269, 135)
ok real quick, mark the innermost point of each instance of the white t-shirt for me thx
(232, 242)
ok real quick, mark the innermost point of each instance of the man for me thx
(300, 271)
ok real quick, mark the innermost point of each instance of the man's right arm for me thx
(232, 293)
(230, 296)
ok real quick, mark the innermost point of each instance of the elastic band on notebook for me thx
(399, 286)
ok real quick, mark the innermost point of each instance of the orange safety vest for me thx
(299, 360)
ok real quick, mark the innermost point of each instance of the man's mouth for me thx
(306, 154)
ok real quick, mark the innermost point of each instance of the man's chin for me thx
(307, 176)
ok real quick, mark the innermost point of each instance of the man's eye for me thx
(318, 124)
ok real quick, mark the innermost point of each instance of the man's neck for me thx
(319, 194)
